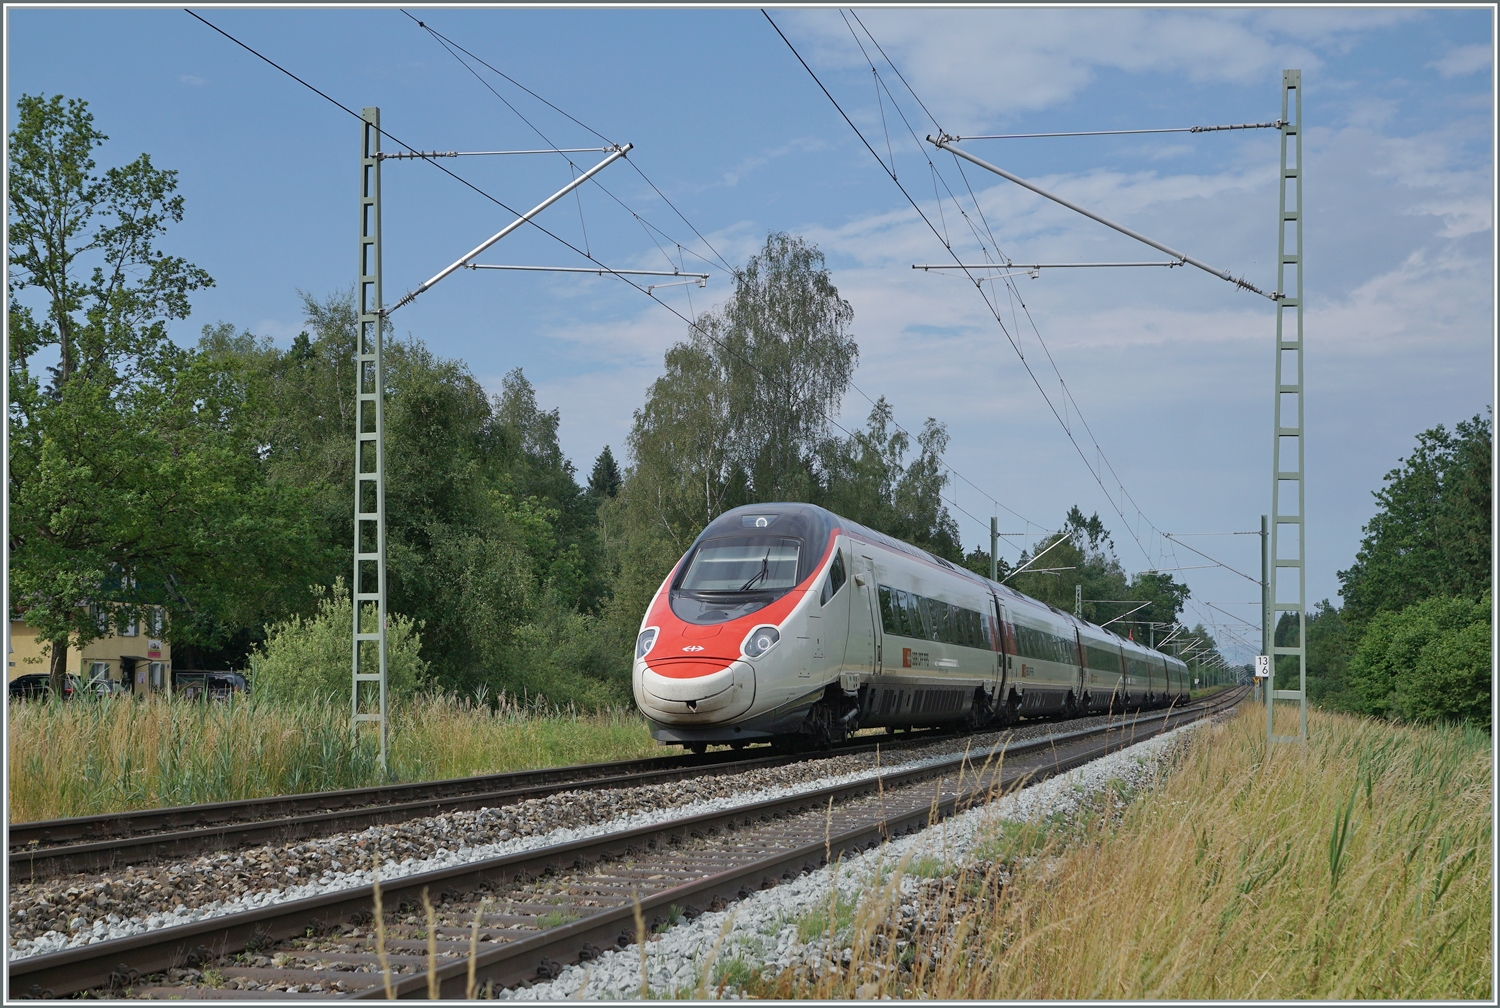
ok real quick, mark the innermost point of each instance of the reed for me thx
(1357, 866)
(103, 754)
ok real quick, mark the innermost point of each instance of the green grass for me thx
(95, 755)
(557, 918)
(1357, 866)
(815, 923)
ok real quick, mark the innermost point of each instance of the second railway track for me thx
(539, 909)
(54, 847)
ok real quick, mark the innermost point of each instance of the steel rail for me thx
(534, 957)
(112, 963)
(149, 834)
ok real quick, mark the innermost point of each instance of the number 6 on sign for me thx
(1262, 666)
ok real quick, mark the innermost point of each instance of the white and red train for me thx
(785, 622)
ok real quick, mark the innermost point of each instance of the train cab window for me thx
(729, 577)
(727, 565)
(835, 580)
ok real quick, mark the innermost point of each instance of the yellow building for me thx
(134, 658)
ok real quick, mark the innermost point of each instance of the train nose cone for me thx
(695, 691)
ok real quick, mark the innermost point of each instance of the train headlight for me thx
(644, 642)
(761, 640)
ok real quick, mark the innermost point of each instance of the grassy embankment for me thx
(105, 755)
(1357, 866)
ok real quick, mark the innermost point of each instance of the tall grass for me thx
(1357, 866)
(103, 754)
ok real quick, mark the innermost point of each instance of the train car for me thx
(788, 623)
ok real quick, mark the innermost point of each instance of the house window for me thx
(130, 629)
(158, 675)
(156, 621)
(99, 672)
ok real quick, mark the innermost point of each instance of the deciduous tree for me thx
(1431, 535)
(134, 474)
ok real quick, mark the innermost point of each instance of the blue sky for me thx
(1172, 369)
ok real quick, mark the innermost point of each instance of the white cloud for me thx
(194, 81)
(974, 66)
(1463, 60)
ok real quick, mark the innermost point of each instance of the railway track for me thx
(48, 848)
(539, 909)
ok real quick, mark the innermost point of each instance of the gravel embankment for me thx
(761, 932)
(54, 914)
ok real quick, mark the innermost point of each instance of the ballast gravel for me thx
(761, 932)
(55, 914)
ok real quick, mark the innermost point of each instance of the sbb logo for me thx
(693, 647)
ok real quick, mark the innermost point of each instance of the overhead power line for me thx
(418, 155)
(449, 45)
(939, 235)
(1174, 129)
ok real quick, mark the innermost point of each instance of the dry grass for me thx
(112, 754)
(1356, 867)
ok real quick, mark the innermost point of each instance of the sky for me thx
(1152, 391)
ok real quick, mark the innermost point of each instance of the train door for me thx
(1003, 659)
(859, 653)
(871, 591)
(1082, 691)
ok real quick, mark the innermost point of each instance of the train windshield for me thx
(737, 565)
(734, 576)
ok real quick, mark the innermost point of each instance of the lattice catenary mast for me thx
(1288, 489)
(369, 451)
(370, 701)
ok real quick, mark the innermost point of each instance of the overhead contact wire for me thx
(691, 323)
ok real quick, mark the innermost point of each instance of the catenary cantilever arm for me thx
(946, 143)
(618, 153)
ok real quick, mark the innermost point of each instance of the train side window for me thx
(906, 614)
(901, 606)
(834, 581)
(887, 614)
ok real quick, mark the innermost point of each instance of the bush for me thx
(311, 659)
(1452, 678)
(1429, 661)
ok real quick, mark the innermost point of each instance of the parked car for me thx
(105, 687)
(38, 686)
(192, 685)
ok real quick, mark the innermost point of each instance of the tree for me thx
(310, 659)
(1426, 662)
(134, 475)
(604, 478)
(491, 543)
(1081, 555)
(740, 415)
(783, 345)
(1328, 647)
(869, 481)
(1431, 535)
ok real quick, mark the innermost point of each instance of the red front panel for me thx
(684, 650)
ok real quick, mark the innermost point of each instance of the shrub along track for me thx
(540, 908)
